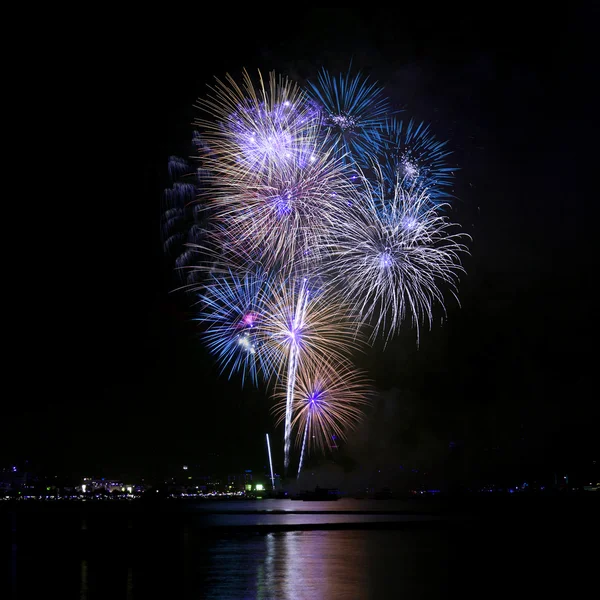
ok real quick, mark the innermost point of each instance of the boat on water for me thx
(319, 494)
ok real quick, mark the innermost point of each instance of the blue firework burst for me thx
(233, 312)
(412, 155)
(353, 112)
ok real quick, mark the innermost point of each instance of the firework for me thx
(233, 314)
(270, 461)
(184, 220)
(329, 399)
(412, 157)
(303, 325)
(257, 127)
(391, 255)
(274, 177)
(314, 217)
(282, 217)
(299, 314)
(353, 112)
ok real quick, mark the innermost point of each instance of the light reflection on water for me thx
(337, 506)
(327, 564)
(301, 519)
(155, 554)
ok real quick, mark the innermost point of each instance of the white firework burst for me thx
(391, 256)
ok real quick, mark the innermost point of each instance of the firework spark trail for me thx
(270, 462)
(303, 325)
(182, 219)
(303, 447)
(296, 327)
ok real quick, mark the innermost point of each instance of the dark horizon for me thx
(121, 385)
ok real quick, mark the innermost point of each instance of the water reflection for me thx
(129, 591)
(166, 558)
(108, 556)
(327, 564)
(83, 590)
(317, 566)
(13, 555)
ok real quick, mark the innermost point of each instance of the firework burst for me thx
(412, 157)
(258, 127)
(282, 217)
(274, 177)
(314, 216)
(313, 321)
(353, 111)
(304, 326)
(391, 255)
(233, 314)
(329, 402)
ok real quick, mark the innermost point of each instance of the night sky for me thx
(113, 378)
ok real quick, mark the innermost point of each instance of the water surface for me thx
(275, 550)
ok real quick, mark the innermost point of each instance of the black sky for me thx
(112, 377)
